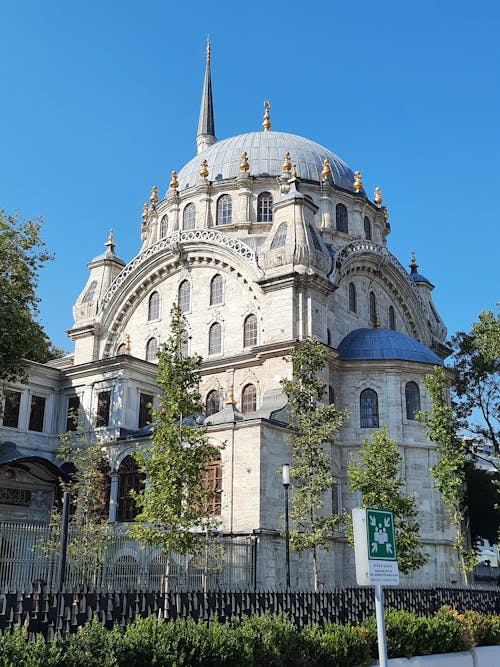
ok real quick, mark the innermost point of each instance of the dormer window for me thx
(265, 207)
(341, 219)
(368, 229)
(224, 211)
(189, 218)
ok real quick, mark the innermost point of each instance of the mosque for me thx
(262, 239)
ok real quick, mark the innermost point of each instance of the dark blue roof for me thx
(385, 344)
(418, 277)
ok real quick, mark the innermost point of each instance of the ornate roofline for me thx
(173, 241)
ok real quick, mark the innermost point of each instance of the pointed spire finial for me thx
(205, 136)
(145, 211)
(377, 321)
(358, 184)
(128, 346)
(110, 243)
(294, 171)
(378, 197)
(244, 166)
(204, 169)
(154, 195)
(287, 163)
(267, 118)
(231, 400)
(327, 172)
(413, 264)
(174, 183)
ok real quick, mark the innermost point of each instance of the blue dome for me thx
(266, 151)
(418, 277)
(385, 344)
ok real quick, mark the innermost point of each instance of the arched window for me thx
(212, 481)
(248, 399)
(265, 207)
(279, 239)
(163, 227)
(216, 290)
(412, 399)
(341, 219)
(121, 349)
(392, 318)
(353, 306)
(154, 306)
(250, 331)
(129, 479)
(215, 339)
(331, 395)
(373, 308)
(89, 294)
(189, 217)
(368, 228)
(152, 350)
(368, 408)
(184, 296)
(224, 210)
(213, 403)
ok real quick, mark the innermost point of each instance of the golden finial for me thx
(128, 347)
(267, 118)
(327, 172)
(377, 321)
(294, 171)
(145, 211)
(231, 400)
(154, 195)
(413, 264)
(209, 50)
(287, 163)
(358, 185)
(204, 169)
(111, 239)
(378, 196)
(244, 166)
(174, 183)
(386, 214)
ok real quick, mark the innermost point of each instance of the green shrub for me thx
(271, 641)
(17, 651)
(92, 645)
(337, 646)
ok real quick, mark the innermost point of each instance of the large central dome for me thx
(266, 151)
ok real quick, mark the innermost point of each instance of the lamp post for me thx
(285, 476)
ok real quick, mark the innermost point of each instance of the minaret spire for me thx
(206, 126)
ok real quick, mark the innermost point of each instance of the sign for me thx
(375, 548)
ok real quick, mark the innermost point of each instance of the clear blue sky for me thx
(100, 101)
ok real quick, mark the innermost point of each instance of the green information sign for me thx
(380, 533)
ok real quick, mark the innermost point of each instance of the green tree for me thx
(449, 471)
(174, 503)
(376, 472)
(477, 381)
(313, 425)
(22, 255)
(88, 484)
(481, 499)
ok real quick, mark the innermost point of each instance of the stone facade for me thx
(295, 244)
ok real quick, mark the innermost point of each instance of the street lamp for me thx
(285, 476)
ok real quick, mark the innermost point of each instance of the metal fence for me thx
(29, 554)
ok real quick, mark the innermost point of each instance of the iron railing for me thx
(29, 554)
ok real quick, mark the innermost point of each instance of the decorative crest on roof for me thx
(174, 183)
(244, 166)
(154, 195)
(287, 163)
(145, 211)
(204, 169)
(378, 196)
(110, 243)
(327, 172)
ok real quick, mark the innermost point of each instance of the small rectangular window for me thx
(145, 404)
(103, 407)
(37, 413)
(72, 414)
(11, 408)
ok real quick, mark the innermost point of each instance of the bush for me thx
(337, 646)
(271, 641)
(93, 644)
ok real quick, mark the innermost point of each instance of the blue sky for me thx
(100, 101)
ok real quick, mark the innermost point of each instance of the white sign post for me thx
(376, 561)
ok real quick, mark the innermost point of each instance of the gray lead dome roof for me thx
(385, 344)
(266, 151)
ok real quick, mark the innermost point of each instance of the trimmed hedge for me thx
(258, 641)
